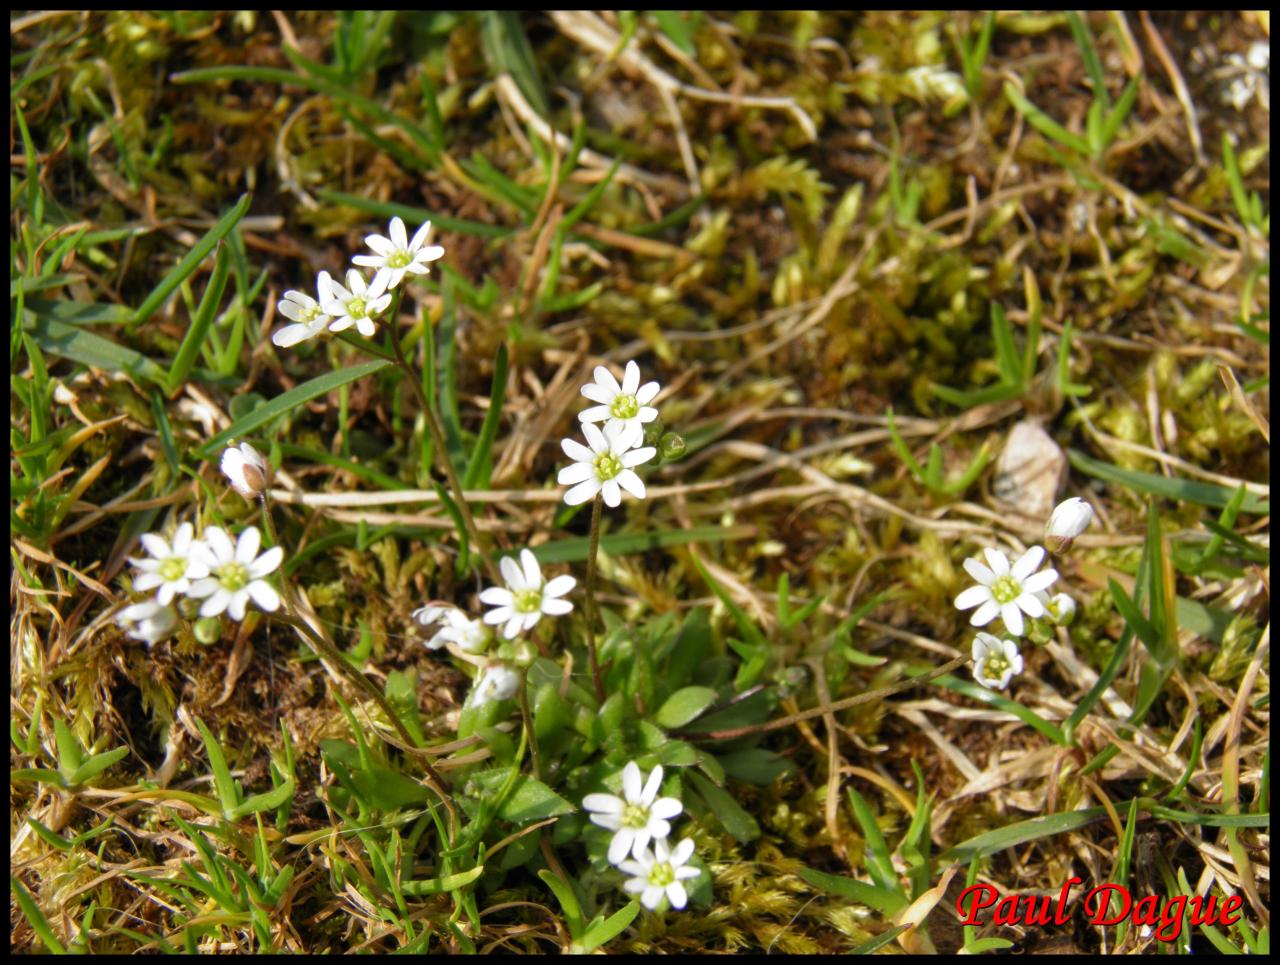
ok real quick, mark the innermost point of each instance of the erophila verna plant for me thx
(619, 727)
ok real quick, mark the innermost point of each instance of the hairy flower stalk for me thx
(478, 544)
(591, 596)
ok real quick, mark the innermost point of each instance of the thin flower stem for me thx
(442, 452)
(294, 618)
(528, 724)
(591, 596)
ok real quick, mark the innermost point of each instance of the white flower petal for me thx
(556, 608)
(532, 572)
(559, 586)
(972, 597)
(632, 483)
(985, 614)
(263, 595)
(497, 596)
(582, 492)
(1027, 563)
(978, 572)
(573, 474)
(630, 379)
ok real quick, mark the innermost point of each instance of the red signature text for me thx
(1107, 904)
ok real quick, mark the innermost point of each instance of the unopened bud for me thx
(246, 469)
(672, 446)
(653, 432)
(1069, 519)
(208, 630)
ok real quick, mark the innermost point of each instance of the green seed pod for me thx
(208, 630)
(672, 446)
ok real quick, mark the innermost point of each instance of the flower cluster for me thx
(359, 302)
(636, 819)
(1016, 591)
(222, 575)
(608, 466)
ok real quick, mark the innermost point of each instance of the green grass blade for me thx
(1024, 714)
(288, 402)
(1089, 55)
(200, 322)
(1129, 96)
(35, 917)
(69, 342)
(185, 268)
(1200, 493)
(1043, 123)
(745, 624)
(477, 468)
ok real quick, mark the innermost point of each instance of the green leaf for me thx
(69, 342)
(412, 215)
(70, 754)
(266, 801)
(725, 809)
(882, 900)
(876, 859)
(530, 800)
(679, 27)
(289, 401)
(35, 917)
(755, 765)
(187, 266)
(992, 842)
(228, 793)
(746, 626)
(440, 886)
(568, 902)
(1026, 715)
(1200, 493)
(96, 765)
(602, 931)
(683, 706)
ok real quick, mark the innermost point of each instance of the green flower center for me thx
(662, 874)
(528, 601)
(357, 308)
(624, 407)
(309, 314)
(607, 465)
(1006, 589)
(398, 259)
(635, 816)
(233, 576)
(174, 568)
(997, 664)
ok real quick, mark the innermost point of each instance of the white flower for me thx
(526, 597)
(397, 254)
(995, 661)
(635, 818)
(246, 469)
(305, 312)
(607, 467)
(148, 621)
(172, 568)
(1062, 608)
(1069, 519)
(661, 874)
(467, 634)
(1006, 592)
(357, 306)
(498, 682)
(625, 404)
(235, 573)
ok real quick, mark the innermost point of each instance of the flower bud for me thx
(247, 471)
(208, 630)
(671, 446)
(1062, 609)
(1069, 519)
(498, 682)
(653, 432)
